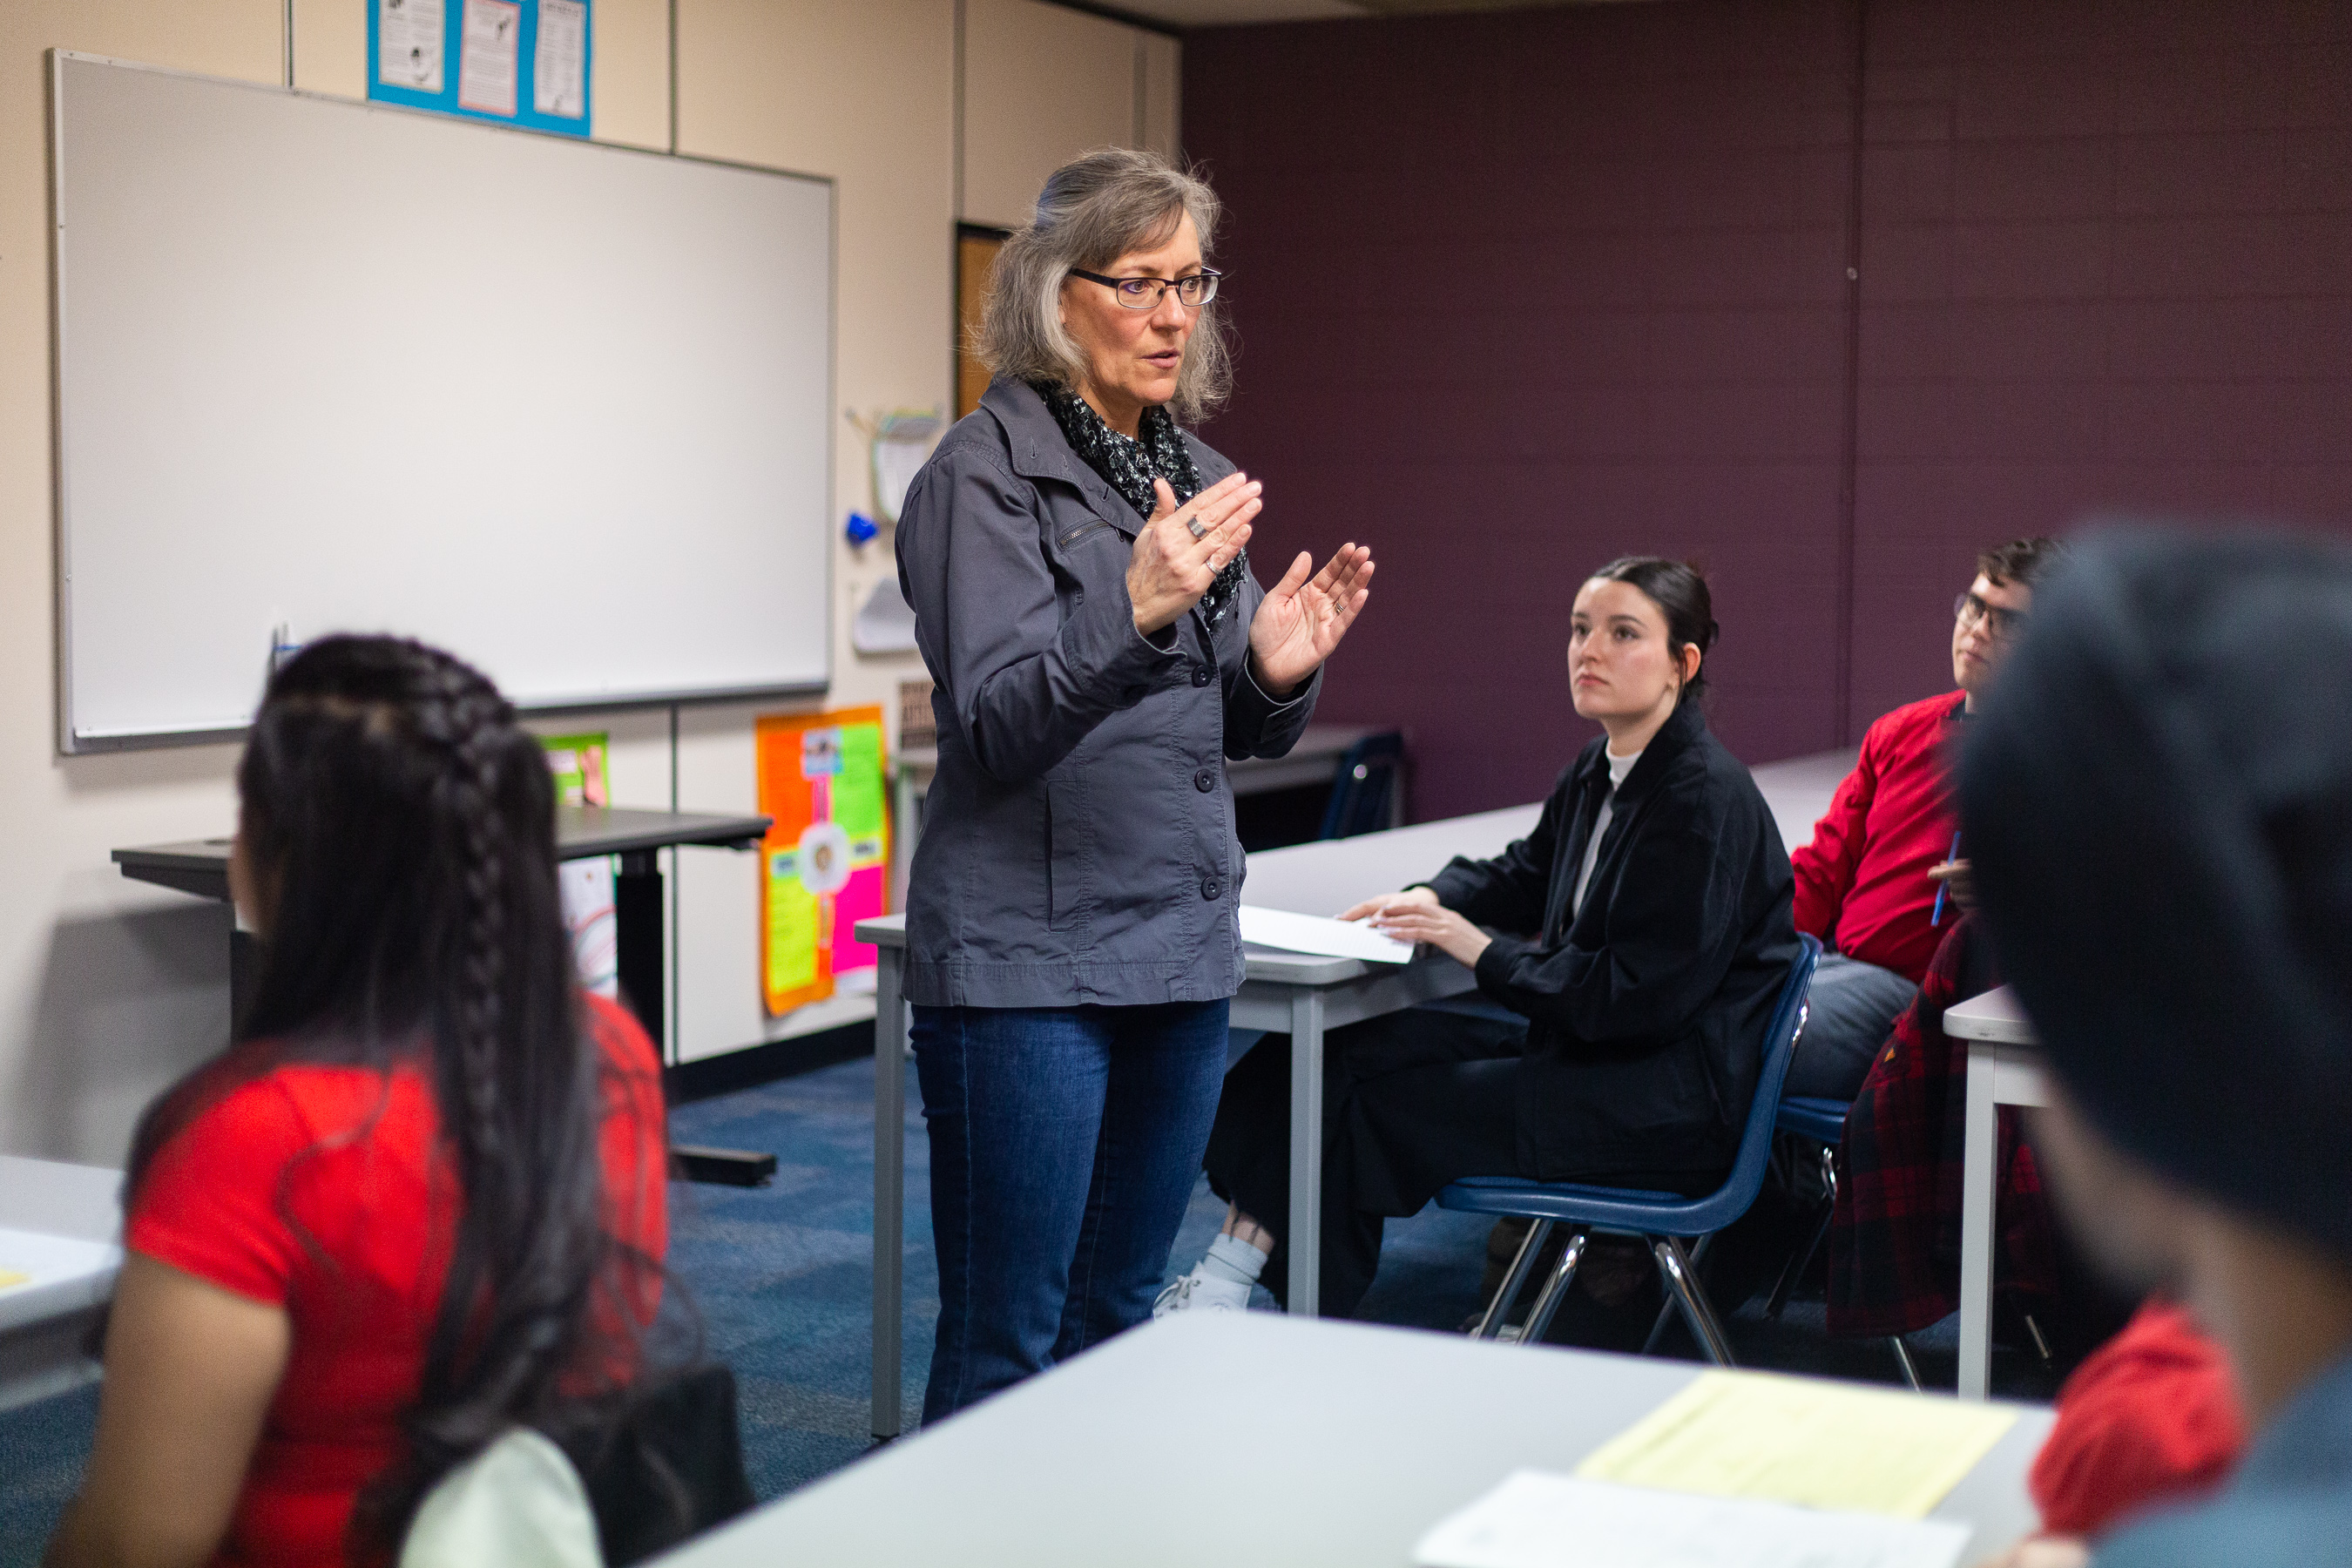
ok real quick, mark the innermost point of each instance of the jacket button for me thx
(1202, 675)
(1209, 890)
(1204, 781)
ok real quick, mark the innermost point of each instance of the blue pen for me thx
(1937, 917)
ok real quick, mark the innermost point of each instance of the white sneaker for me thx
(1196, 1292)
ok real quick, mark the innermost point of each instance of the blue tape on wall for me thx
(511, 62)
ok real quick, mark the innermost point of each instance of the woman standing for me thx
(1099, 647)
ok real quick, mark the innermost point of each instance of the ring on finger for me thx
(1192, 526)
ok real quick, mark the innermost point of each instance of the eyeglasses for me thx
(2005, 624)
(1193, 291)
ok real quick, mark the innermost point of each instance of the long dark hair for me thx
(400, 827)
(1679, 590)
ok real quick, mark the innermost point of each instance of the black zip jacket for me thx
(1647, 1009)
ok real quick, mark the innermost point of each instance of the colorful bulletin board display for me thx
(581, 779)
(828, 858)
(512, 62)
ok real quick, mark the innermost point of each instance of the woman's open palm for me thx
(1302, 619)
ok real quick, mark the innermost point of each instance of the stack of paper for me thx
(1326, 939)
(1803, 1440)
(1536, 1520)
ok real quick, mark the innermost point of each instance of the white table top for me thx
(1995, 1017)
(1325, 876)
(1250, 1438)
(60, 1224)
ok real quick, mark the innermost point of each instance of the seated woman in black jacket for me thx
(1636, 942)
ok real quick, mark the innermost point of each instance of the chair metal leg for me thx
(1490, 1322)
(1903, 1359)
(1667, 1308)
(1555, 1291)
(1676, 1265)
(1804, 1260)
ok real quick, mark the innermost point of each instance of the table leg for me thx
(1980, 1148)
(889, 1184)
(1305, 1235)
(638, 917)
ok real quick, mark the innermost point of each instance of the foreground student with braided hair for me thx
(420, 1199)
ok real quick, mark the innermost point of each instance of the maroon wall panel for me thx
(2106, 267)
(1521, 291)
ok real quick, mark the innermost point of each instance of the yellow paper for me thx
(10, 1277)
(1799, 1440)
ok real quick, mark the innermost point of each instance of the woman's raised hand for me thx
(1300, 620)
(1171, 568)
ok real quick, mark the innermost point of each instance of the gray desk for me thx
(63, 1225)
(2004, 1069)
(1313, 761)
(1281, 992)
(200, 866)
(1249, 1439)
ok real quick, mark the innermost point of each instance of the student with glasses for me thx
(1881, 881)
(1100, 647)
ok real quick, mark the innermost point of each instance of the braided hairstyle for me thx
(400, 824)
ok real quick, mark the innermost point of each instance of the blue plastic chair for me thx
(1662, 1219)
(1823, 1121)
(1364, 785)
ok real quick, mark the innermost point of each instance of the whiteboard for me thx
(561, 408)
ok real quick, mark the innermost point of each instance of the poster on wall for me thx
(826, 863)
(512, 62)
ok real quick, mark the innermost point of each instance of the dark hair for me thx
(2023, 561)
(404, 826)
(1679, 590)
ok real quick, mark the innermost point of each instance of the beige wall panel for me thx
(1041, 85)
(864, 95)
(1161, 112)
(330, 46)
(107, 990)
(629, 72)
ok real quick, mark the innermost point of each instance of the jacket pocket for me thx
(1079, 532)
(1069, 852)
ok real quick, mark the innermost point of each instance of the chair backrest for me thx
(1732, 1199)
(1364, 785)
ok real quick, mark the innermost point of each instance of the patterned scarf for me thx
(1128, 466)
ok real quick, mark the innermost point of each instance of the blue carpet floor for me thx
(781, 1278)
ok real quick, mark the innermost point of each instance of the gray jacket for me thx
(1078, 842)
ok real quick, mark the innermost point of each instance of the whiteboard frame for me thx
(72, 742)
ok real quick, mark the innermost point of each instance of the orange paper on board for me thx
(826, 863)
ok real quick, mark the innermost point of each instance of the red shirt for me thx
(1862, 883)
(2149, 1417)
(311, 1188)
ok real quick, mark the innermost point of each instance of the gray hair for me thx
(1109, 203)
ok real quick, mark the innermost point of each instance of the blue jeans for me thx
(1065, 1143)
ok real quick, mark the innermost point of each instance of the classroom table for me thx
(1282, 992)
(1247, 1438)
(2005, 1067)
(62, 1225)
(200, 866)
(1313, 760)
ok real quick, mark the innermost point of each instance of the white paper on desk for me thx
(1326, 939)
(1538, 1521)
